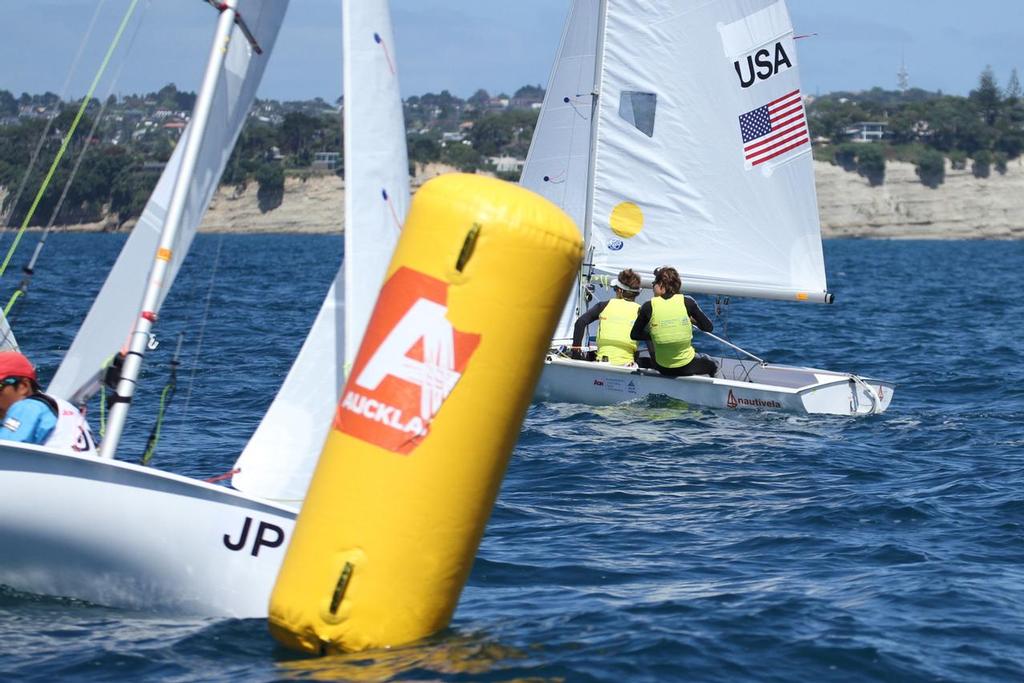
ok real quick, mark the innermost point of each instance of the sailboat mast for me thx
(595, 112)
(151, 297)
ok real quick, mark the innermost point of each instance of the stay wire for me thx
(67, 138)
(202, 328)
(170, 388)
(722, 313)
(49, 123)
(29, 269)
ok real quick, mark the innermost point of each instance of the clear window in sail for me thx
(638, 108)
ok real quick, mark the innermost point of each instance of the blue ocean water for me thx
(642, 542)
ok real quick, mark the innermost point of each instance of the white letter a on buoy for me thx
(435, 375)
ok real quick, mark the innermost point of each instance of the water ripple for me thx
(642, 542)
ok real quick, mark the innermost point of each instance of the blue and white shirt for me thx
(28, 421)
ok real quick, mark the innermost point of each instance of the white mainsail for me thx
(279, 459)
(557, 166)
(113, 313)
(702, 157)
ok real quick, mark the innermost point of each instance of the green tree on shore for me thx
(931, 168)
(871, 163)
(982, 166)
(270, 177)
(8, 105)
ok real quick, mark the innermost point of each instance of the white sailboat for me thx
(124, 535)
(675, 134)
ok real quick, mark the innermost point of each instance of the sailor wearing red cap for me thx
(30, 416)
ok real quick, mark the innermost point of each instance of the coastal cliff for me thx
(964, 207)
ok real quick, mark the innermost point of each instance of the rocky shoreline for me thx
(964, 207)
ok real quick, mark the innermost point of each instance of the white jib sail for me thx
(278, 461)
(113, 313)
(557, 166)
(376, 161)
(7, 340)
(703, 157)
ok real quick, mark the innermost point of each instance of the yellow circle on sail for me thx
(627, 220)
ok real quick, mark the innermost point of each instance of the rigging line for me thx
(722, 313)
(387, 55)
(67, 137)
(202, 328)
(241, 24)
(732, 346)
(391, 206)
(165, 400)
(876, 400)
(29, 269)
(49, 123)
(222, 477)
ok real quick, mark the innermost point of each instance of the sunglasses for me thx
(9, 381)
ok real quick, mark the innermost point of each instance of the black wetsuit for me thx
(699, 365)
(592, 315)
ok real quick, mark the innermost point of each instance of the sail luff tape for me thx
(428, 418)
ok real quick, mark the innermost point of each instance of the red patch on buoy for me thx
(410, 361)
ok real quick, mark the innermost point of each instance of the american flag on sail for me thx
(776, 129)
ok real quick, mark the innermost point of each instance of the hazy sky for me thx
(499, 45)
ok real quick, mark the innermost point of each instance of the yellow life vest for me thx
(671, 332)
(613, 330)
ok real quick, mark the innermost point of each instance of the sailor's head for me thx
(627, 284)
(17, 379)
(666, 281)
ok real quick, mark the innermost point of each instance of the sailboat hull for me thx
(123, 535)
(739, 385)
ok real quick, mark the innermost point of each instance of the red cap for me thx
(14, 364)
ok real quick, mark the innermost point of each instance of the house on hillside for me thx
(866, 131)
(175, 124)
(328, 161)
(506, 164)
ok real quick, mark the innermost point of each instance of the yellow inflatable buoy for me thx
(427, 421)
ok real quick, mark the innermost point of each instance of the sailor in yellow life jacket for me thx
(665, 321)
(616, 318)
